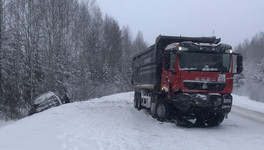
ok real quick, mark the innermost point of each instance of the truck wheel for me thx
(162, 110)
(215, 119)
(153, 106)
(199, 122)
(135, 99)
(153, 110)
(139, 107)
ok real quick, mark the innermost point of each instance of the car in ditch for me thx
(45, 101)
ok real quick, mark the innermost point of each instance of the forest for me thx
(52, 45)
(251, 81)
(57, 45)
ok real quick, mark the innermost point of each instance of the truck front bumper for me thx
(195, 102)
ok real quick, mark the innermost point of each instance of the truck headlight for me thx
(165, 89)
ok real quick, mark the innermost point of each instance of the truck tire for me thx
(139, 100)
(162, 111)
(200, 122)
(153, 110)
(215, 119)
(153, 106)
(135, 99)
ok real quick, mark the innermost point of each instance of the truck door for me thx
(170, 75)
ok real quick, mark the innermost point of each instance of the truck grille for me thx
(209, 86)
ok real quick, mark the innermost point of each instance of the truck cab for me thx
(195, 70)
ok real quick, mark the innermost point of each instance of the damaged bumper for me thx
(193, 102)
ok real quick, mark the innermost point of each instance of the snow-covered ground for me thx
(3, 123)
(245, 102)
(112, 123)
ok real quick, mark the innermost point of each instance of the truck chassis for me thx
(185, 109)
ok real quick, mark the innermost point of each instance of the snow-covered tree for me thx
(250, 82)
(52, 45)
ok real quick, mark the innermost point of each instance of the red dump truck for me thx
(188, 80)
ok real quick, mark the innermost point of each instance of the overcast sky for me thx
(232, 20)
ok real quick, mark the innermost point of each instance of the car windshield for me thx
(216, 62)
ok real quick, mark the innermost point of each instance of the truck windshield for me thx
(216, 62)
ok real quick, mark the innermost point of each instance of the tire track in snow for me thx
(248, 114)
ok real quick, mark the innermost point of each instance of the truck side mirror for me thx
(237, 63)
(167, 61)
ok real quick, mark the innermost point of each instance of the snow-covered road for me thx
(112, 123)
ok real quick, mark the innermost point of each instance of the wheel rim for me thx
(161, 110)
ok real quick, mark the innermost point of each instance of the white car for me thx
(45, 101)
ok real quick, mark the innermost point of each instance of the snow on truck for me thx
(188, 80)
